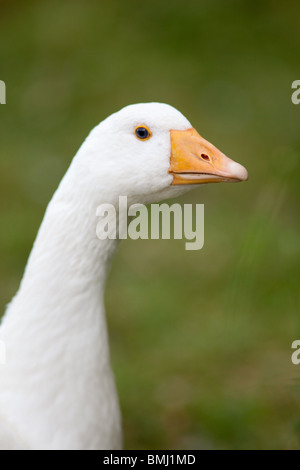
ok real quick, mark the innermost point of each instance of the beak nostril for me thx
(205, 157)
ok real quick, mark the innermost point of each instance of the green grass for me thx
(200, 340)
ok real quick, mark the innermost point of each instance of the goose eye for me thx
(142, 133)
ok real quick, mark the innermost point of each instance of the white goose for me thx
(57, 388)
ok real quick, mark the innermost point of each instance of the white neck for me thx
(57, 386)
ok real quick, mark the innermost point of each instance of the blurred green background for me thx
(201, 341)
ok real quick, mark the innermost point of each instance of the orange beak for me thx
(194, 160)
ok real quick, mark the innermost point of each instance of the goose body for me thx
(57, 388)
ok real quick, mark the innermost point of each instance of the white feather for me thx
(57, 388)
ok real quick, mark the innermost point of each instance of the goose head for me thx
(150, 152)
